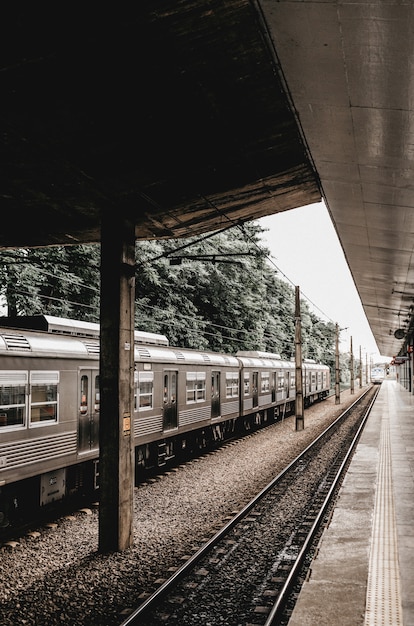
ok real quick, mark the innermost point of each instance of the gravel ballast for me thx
(57, 576)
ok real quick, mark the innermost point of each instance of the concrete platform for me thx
(363, 572)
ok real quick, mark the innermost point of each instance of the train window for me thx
(195, 387)
(246, 383)
(136, 388)
(145, 390)
(265, 382)
(97, 395)
(43, 397)
(84, 392)
(232, 384)
(281, 380)
(13, 386)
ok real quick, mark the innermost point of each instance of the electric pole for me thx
(299, 409)
(351, 367)
(337, 385)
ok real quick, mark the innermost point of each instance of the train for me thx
(377, 374)
(184, 400)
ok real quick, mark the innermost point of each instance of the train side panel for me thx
(183, 399)
(316, 382)
(268, 386)
(39, 416)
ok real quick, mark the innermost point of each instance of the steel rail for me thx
(279, 606)
(134, 619)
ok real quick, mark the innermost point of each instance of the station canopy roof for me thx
(188, 117)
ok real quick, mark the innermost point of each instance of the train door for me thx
(287, 385)
(255, 388)
(170, 400)
(215, 394)
(89, 400)
(274, 386)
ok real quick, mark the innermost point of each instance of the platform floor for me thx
(363, 572)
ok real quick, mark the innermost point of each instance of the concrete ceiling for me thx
(188, 116)
(349, 68)
(169, 112)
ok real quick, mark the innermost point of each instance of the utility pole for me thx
(360, 367)
(337, 385)
(299, 408)
(351, 367)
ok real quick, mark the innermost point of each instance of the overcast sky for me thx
(306, 250)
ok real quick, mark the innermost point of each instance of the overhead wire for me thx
(240, 226)
(207, 322)
(232, 223)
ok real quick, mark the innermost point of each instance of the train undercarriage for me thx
(79, 483)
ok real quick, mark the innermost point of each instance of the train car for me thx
(268, 386)
(184, 401)
(377, 374)
(49, 411)
(317, 381)
(49, 432)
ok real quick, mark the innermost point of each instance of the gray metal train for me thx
(184, 401)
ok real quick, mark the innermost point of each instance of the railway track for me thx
(251, 570)
(27, 521)
(49, 514)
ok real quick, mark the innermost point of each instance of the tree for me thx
(61, 280)
(163, 297)
(216, 291)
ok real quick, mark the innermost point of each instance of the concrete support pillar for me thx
(116, 468)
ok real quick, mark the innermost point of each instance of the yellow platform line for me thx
(383, 600)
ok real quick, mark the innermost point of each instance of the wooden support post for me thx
(299, 404)
(116, 467)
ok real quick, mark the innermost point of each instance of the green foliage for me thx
(222, 294)
(216, 291)
(62, 281)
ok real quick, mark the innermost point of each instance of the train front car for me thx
(377, 374)
(49, 412)
(268, 387)
(185, 400)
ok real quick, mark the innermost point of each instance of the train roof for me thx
(256, 358)
(32, 343)
(313, 365)
(141, 336)
(52, 324)
(259, 354)
(171, 354)
(74, 328)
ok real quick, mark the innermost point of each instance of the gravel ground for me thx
(56, 575)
